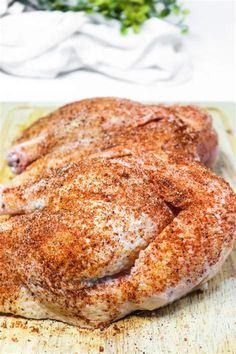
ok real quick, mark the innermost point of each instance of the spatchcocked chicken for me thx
(119, 218)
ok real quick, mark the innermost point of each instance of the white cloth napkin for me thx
(3, 6)
(46, 44)
(10, 7)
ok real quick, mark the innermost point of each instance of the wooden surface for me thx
(202, 322)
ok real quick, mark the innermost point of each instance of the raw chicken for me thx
(111, 234)
(94, 125)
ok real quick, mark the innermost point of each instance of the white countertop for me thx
(211, 45)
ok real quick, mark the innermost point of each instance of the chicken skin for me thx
(94, 125)
(112, 211)
(109, 234)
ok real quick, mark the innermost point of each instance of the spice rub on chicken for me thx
(93, 125)
(131, 221)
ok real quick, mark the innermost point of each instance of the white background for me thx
(211, 45)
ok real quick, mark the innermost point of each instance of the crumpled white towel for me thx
(46, 44)
(4, 6)
(8, 6)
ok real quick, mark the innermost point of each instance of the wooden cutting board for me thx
(202, 322)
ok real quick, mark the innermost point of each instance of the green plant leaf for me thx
(130, 13)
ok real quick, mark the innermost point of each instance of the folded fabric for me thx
(46, 44)
(10, 7)
(3, 6)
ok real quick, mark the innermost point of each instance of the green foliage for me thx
(130, 13)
